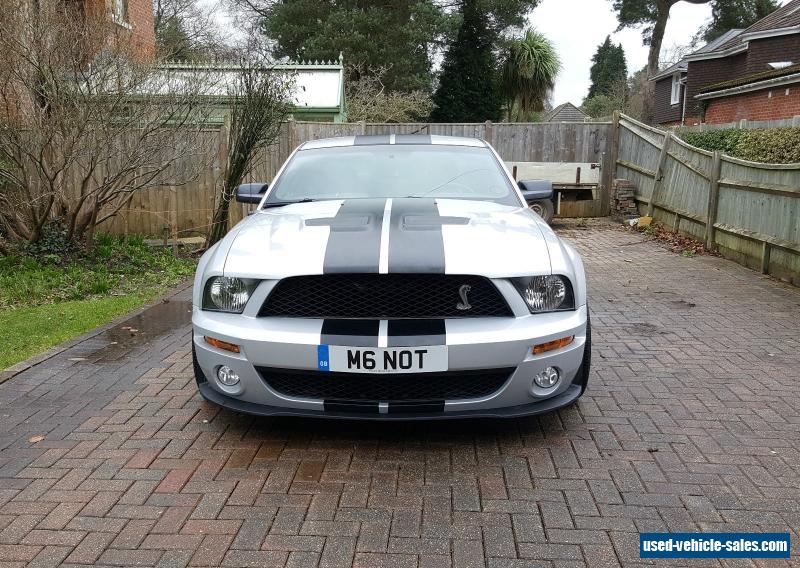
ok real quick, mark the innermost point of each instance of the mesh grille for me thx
(450, 385)
(383, 296)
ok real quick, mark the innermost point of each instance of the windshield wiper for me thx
(283, 203)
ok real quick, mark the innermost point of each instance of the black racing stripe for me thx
(354, 243)
(412, 139)
(416, 247)
(355, 333)
(413, 333)
(371, 139)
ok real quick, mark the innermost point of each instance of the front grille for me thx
(450, 385)
(384, 296)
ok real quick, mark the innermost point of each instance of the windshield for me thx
(397, 170)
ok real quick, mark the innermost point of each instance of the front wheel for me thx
(543, 208)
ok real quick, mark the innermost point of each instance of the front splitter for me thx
(541, 407)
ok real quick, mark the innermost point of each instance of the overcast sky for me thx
(577, 27)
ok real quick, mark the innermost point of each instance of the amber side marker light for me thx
(552, 345)
(219, 344)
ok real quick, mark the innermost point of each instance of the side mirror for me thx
(251, 192)
(536, 189)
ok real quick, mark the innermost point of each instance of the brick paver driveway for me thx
(108, 456)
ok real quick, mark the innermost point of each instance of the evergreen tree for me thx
(397, 36)
(468, 85)
(736, 14)
(608, 70)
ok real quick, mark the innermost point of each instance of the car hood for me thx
(387, 236)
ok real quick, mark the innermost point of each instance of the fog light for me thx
(227, 376)
(548, 378)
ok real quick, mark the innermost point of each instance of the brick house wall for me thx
(766, 104)
(139, 23)
(140, 17)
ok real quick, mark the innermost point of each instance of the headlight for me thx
(226, 294)
(546, 293)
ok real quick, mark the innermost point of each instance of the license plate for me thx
(340, 359)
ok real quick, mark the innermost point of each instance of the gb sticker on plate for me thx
(323, 358)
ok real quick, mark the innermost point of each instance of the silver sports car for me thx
(391, 277)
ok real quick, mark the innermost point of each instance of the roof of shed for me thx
(566, 112)
(317, 85)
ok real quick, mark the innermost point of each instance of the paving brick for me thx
(90, 548)
(686, 425)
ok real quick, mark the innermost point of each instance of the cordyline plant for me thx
(529, 74)
(259, 99)
(85, 123)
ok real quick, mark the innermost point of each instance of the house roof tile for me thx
(566, 112)
(787, 16)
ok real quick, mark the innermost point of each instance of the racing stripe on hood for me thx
(416, 244)
(354, 241)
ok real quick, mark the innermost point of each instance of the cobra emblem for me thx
(463, 291)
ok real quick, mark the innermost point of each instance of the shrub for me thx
(723, 140)
(776, 146)
(772, 146)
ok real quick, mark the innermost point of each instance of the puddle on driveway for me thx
(142, 328)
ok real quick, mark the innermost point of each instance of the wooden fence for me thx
(187, 209)
(748, 211)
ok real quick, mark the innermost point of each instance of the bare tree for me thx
(368, 99)
(259, 100)
(84, 125)
(186, 31)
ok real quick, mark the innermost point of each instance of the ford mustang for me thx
(391, 277)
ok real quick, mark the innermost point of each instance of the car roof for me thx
(400, 139)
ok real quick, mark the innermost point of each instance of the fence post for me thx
(611, 165)
(765, 250)
(713, 198)
(173, 218)
(487, 131)
(659, 175)
(293, 143)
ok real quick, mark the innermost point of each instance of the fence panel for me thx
(749, 211)
(189, 206)
(638, 156)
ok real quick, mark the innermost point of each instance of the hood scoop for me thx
(426, 222)
(342, 222)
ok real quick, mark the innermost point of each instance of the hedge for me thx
(772, 146)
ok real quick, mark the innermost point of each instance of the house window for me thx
(675, 97)
(119, 10)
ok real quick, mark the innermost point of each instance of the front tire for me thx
(544, 209)
(199, 376)
(586, 365)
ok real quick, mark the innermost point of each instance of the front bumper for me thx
(474, 343)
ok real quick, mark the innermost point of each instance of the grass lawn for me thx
(48, 297)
